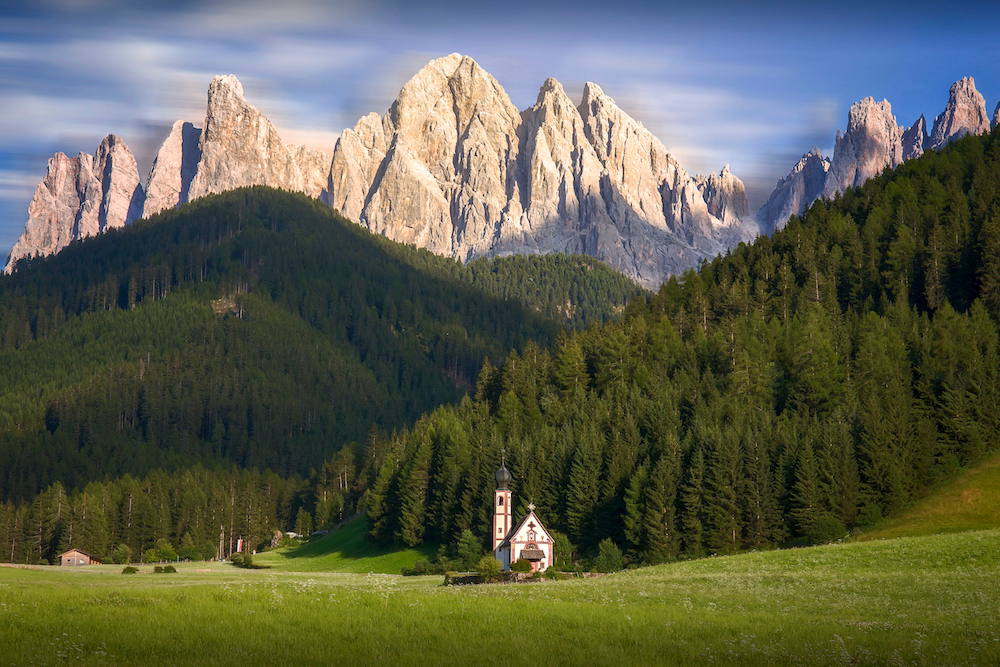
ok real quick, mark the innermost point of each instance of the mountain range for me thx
(872, 142)
(453, 166)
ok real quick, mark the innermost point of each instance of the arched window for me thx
(500, 501)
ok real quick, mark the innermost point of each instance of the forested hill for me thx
(799, 387)
(808, 384)
(254, 328)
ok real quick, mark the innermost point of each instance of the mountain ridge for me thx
(873, 141)
(453, 166)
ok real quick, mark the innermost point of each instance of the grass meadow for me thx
(930, 600)
(344, 550)
(968, 501)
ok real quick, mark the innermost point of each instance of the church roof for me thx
(516, 529)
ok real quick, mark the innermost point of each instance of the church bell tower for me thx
(501, 507)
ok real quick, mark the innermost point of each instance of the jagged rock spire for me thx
(964, 114)
(79, 197)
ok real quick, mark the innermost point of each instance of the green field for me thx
(924, 600)
(344, 550)
(969, 501)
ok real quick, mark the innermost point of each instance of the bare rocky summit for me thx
(174, 168)
(79, 197)
(240, 147)
(796, 191)
(914, 139)
(964, 114)
(872, 142)
(454, 167)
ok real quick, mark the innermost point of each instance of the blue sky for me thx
(753, 85)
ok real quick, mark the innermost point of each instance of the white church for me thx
(528, 541)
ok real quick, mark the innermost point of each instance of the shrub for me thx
(563, 549)
(189, 553)
(128, 569)
(521, 565)
(122, 554)
(469, 550)
(489, 569)
(169, 569)
(422, 566)
(149, 556)
(158, 569)
(826, 528)
(609, 557)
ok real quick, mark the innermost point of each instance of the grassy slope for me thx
(924, 600)
(969, 501)
(344, 550)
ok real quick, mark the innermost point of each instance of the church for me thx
(527, 541)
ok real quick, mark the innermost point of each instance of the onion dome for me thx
(503, 478)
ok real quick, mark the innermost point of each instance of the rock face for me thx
(725, 196)
(965, 114)
(794, 192)
(914, 139)
(240, 147)
(455, 168)
(79, 197)
(872, 142)
(173, 169)
(996, 115)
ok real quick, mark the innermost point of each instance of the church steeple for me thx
(501, 505)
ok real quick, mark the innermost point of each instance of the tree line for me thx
(809, 383)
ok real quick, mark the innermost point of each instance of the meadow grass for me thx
(924, 600)
(968, 501)
(344, 550)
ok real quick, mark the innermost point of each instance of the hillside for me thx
(254, 328)
(816, 381)
(969, 501)
(345, 549)
(812, 383)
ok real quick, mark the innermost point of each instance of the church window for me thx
(500, 501)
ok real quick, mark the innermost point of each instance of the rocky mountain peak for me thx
(964, 114)
(872, 142)
(174, 168)
(996, 115)
(452, 166)
(725, 196)
(795, 191)
(914, 139)
(240, 147)
(80, 197)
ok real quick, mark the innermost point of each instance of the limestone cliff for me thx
(964, 114)
(79, 197)
(173, 169)
(455, 168)
(240, 147)
(914, 139)
(794, 192)
(872, 142)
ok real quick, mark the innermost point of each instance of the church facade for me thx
(528, 540)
